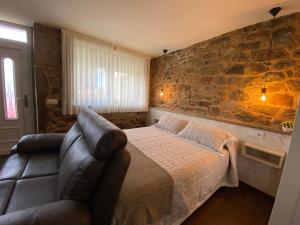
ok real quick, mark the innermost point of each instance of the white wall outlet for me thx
(256, 133)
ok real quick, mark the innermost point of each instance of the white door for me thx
(16, 102)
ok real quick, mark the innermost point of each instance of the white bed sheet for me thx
(197, 171)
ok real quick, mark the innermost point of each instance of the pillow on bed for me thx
(213, 138)
(171, 124)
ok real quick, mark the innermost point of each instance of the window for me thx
(102, 78)
(10, 106)
(13, 33)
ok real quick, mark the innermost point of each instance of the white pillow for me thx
(213, 138)
(171, 124)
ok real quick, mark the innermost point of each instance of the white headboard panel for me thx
(276, 141)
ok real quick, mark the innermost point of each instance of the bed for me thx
(170, 177)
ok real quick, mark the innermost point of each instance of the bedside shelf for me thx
(263, 155)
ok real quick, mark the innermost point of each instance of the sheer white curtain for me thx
(103, 78)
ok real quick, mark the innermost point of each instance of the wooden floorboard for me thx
(234, 206)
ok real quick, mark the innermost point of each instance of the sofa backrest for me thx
(71, 137)
(84, 161)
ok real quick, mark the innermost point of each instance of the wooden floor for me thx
(234, 206)
(231, 206)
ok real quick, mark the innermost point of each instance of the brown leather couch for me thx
(65, 179)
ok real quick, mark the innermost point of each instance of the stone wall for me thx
(221, 78)
(48, 86)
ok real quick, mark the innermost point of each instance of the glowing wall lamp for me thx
(161, 93)
(273, 12)
(162, 90)
(161, 96)
(263, 96)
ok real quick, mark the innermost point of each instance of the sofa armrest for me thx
(65, 212)
(50, 142)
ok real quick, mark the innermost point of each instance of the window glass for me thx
(10, 105)
(105, 80)
(12, 33)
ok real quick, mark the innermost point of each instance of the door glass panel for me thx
(10, 106)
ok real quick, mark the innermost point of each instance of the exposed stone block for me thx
(259, 34)
(240, 56)
(294, 85)
(275, 87)
(283, 35)
(296, 53)
(215, 110)
(249, 45)
(258, 67)
(235, 69)
(238, 95)
(220, 80)
(279, 53)
(220, 41)
(275, 76)
(282, 100)
(261, 55)
(210, 70)
(284, 64)
(204, 80)
(184, 87)
(204, 103)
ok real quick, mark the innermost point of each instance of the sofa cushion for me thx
(32, 192)
(65, 212)
(41, 164)
(22, 165)
(71, 136)
(13, 167)
(78, 173)
(6, 190)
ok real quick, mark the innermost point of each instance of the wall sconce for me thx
(273, 12)
(162, 90)
(161, 93)
(263, 96)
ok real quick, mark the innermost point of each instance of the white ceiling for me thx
(147, 26)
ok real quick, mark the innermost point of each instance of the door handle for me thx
(24, 99)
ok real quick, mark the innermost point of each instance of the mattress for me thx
(196, 170)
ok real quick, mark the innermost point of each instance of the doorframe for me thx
(287, 203)
(27, 70)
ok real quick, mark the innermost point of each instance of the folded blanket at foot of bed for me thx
(147, 191)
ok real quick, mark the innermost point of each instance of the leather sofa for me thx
(65, 179)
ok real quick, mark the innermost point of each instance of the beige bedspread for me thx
(197, 172)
